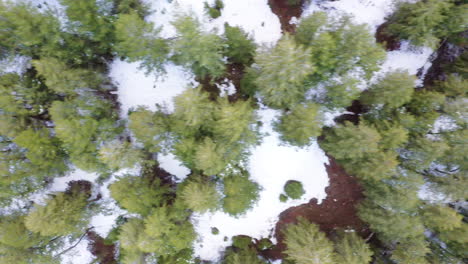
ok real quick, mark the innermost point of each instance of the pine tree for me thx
(412, 251)
(306, 244)
(14, 233)
(200, 195)
(63, 214)
(282, 71)
(300, 124)
(240, 194)
(352, 249)
(423, 23)
(440, 218)
(351, 142)
(243, 256)
(198, 50)
(240, 47)
(119, 155)
(391, 90)
(139, 41)
(139, 194)
(167, 231)
(65, 80)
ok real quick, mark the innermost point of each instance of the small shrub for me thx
(214, 231)
(215, 10)
(241, 241)
(264, 244)
(283, 198)
(294, 189)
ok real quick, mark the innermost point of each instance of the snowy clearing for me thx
(135, 88)
(271, 165)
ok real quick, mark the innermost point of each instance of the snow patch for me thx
(135, 88)
(78, 255)
(169, 163)
(255, 17)
(271, 165)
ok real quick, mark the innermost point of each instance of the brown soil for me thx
(389, 42)
(285, 10)
(337, 211)
(104, 253)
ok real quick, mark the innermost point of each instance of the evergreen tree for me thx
(209, 157)
(14, 233)
(306, 244)
(200, 195)
(424, 22)
(440, 218)
(300, 124)
(391, 90)
(412, 251)
(42, 150)
(167, 231)
(352, 249)
(351, 142)
(138, 41)
(282, 71)
(240, 47)
(198, 50)
(63, 214)
(242, 256)
(240, 194)
(139, 194)
(118, 155)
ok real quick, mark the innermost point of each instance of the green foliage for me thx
(138, 41)
(425, 22)
(26, 29)
(65, 80)
(208, 157)
(200, 195)
(441, 218)
(200, 51)
(215, 10)
(63, 214)
(42, 150)
(240, 194)
(89, 18)
(351, 142)
(412, 251)
(294, 189)
(391, 90)
(352, 249)
(130, 6)
(453, 86)
(118, 155)
(283, 198)
(282, 71)
(167, 231)
(14, 233)
(139, 194)
(241, 242)
(306, 244)
(240, 47)
(243, 256)
(149, 128)
(81, 124)
(300, 124)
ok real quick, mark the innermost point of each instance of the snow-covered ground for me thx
(271, 165)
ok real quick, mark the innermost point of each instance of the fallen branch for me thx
(76, 244)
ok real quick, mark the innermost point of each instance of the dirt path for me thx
(338, 210)
(285, 10)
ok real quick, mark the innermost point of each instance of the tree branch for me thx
(76, 244)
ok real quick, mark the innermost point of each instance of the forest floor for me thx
(338, 210)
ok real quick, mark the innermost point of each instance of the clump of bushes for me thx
(293, 190)
(215, 10)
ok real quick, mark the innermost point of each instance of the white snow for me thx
(271, 165)
(135, 88)
(169, 163)
(17, 64)
(254, 16)
(408, 58)
(78, 255)
(444, 123)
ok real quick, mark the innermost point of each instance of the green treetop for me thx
(200, 195)
(306, 244)
(352, 249)
(282, 71)
(391, 90)
(198, 50)
(299, 125)
(63, 214)
(139, 41)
